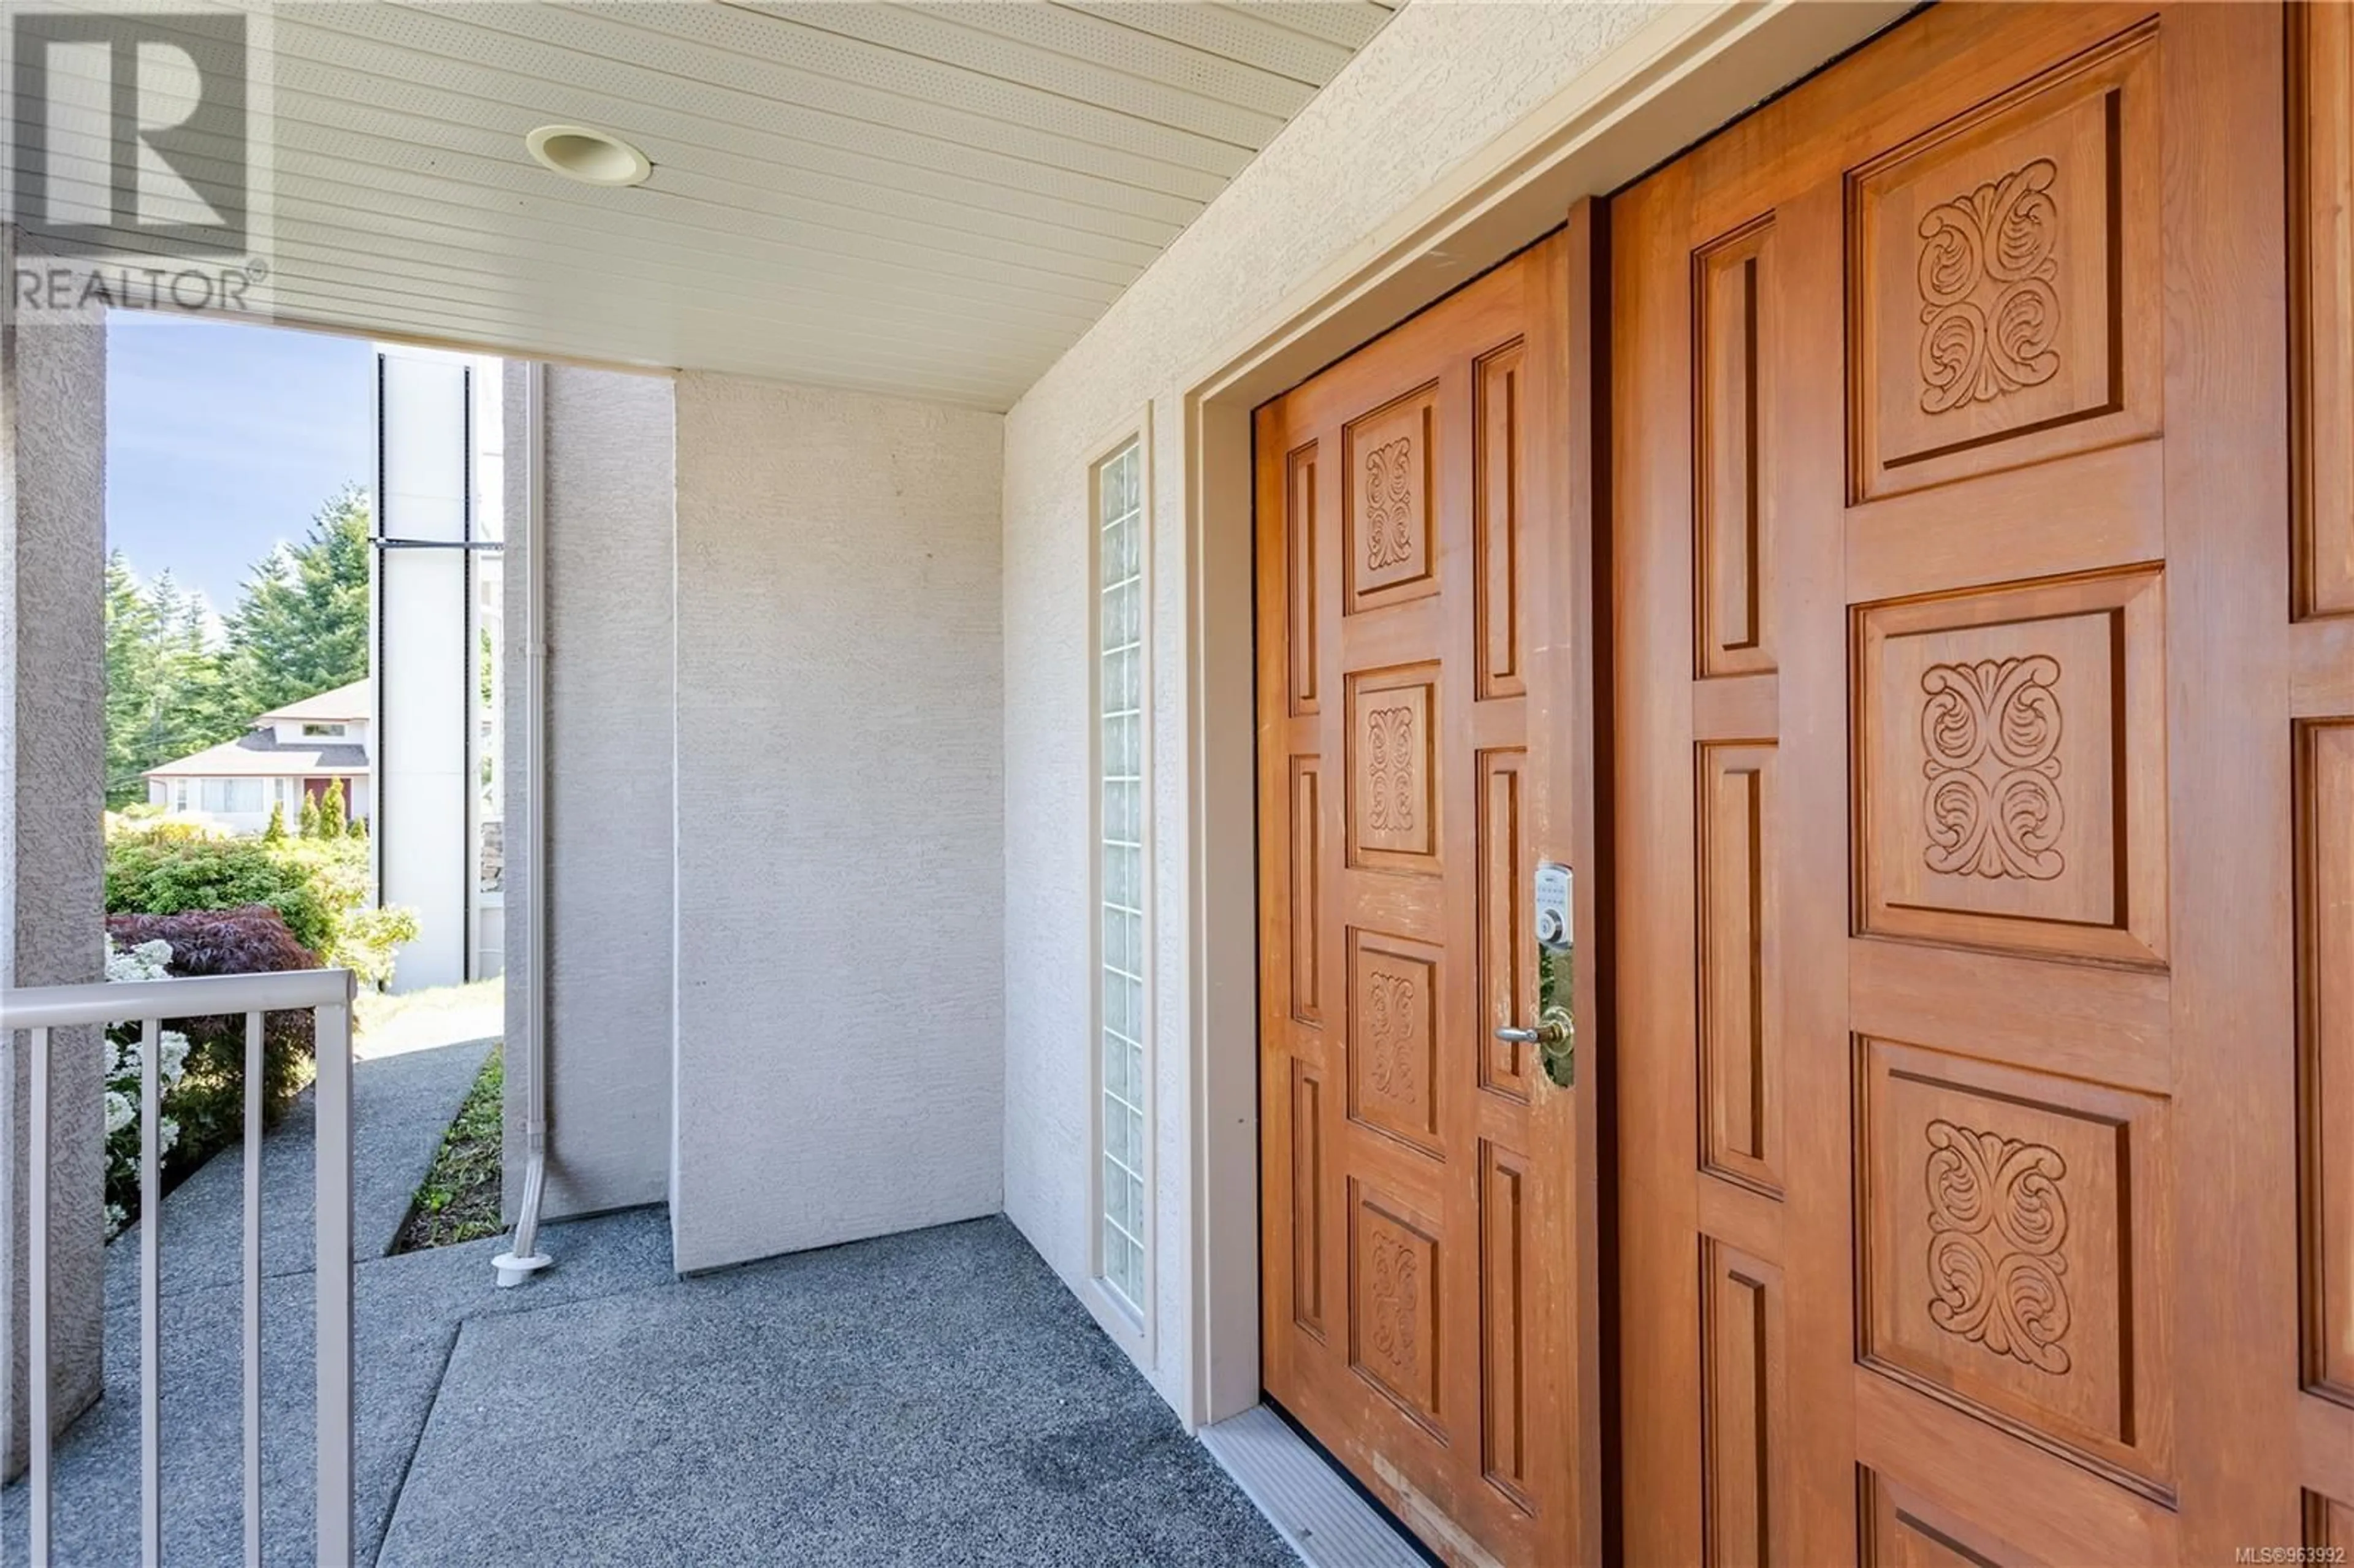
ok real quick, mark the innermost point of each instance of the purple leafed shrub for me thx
(210, 1102)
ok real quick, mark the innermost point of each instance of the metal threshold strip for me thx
(1315, 1510)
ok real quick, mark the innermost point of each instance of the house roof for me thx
(345, 704)
(257, 755)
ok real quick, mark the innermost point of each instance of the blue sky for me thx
(222, 439)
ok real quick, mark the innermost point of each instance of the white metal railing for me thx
(326, 994)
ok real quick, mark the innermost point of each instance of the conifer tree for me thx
(302, 626)
(165, 689)
(132, 673)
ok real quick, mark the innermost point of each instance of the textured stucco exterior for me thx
(52, 904)
(608, 542)
(839, 864)
(1441, 82)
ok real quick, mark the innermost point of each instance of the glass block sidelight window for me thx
(1119, 703)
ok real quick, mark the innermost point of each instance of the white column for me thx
(423, 668)
(53, 756)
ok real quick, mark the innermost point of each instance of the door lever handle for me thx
(1555, 1034)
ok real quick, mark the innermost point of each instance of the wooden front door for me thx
(1967, 699)
(1419, 1256)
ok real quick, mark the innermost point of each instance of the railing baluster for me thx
(36, 1364)
(36, 1011)
(333, 1038)
(253, 1076)
(151, 1293)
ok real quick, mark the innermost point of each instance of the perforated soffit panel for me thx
(933, 199)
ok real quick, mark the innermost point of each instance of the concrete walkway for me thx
(933, 1398)
(401, 1108)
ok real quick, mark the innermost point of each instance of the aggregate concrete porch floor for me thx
(935, 1398)
(932, 1398)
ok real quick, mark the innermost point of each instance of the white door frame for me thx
(1688, 71)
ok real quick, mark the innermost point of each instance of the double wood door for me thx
(1985, 802)
(1978, 492)
(1421, 1264)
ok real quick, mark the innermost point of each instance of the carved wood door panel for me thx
(1960, 740)
(1416, 1180)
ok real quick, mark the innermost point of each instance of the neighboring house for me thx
(290, 753)
(1096, 594)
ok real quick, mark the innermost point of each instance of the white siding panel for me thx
(840, 860)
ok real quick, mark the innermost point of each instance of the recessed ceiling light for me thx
(586, 154)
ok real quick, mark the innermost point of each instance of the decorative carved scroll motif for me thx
(1992, 730)
(1389, 510)
(1996, 1222)
(1989, 309)
(1390, 1306)
(1391, 1034)
(1389, 769)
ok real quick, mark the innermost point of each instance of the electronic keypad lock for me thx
(1552, 907)
(1555, 1034)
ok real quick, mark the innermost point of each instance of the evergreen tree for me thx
(164, 695)
(275, 833)
(196, 707)
(133, 661)
(331, 811)
(302, 626)
(309, 819)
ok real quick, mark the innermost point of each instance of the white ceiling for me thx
(928, 198)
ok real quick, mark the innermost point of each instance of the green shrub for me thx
(338, 871)
(167, 871)
(370, 939)
(321, 887)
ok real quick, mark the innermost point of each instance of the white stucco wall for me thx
(840, 863)
(53, 759)
(1441, 82)
(608, 539)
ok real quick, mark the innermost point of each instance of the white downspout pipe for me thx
(523, 1259)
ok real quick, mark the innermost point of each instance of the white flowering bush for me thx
(126, 1063)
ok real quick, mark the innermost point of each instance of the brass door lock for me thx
(1555, 1034)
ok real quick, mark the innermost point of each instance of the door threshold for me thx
(1311, 1505)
